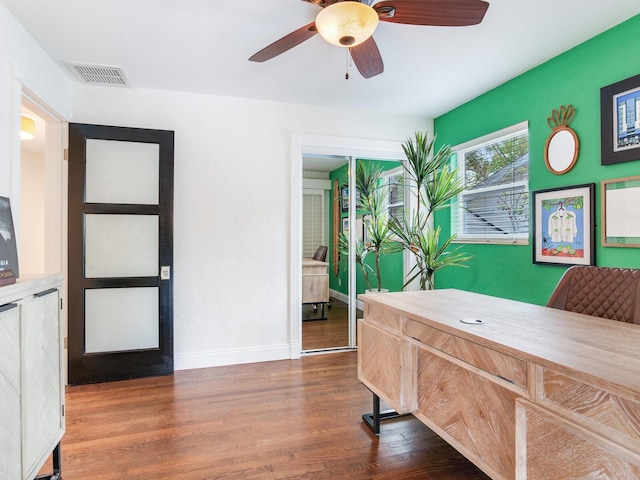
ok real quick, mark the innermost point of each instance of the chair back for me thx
(321, 253)
(606, 292)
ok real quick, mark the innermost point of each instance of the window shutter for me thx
(312, 222)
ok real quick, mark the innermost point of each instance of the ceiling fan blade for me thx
(443, 13)
(367, 58)
(285, 43)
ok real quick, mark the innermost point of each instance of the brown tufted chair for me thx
(612, 293)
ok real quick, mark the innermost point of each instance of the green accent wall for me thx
(574, 77)
(390, 265)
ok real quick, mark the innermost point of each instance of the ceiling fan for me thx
(360, 24)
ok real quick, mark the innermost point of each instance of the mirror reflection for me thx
(325, 310)
(362, 235)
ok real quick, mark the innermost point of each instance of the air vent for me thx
(99, 74)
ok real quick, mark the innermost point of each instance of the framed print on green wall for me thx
(620, 213)
(564, 225)
(620, 121)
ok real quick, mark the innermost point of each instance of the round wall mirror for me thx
(561, 150)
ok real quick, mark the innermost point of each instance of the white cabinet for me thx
(31, 376)
(10, 391)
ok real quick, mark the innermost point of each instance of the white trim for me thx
(302, 143)
(316, 184)
(188, 361)
(459, 152)
(491, 137)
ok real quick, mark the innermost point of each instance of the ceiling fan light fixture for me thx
(27, 128)
(347, 23)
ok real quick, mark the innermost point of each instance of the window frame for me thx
(385, 178)
(458, 162)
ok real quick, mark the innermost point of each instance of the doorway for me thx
(41, 221)
(320, 145)
(325, 326)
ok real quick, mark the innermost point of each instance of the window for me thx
(394, 182)
(312, 221)
(495, 203)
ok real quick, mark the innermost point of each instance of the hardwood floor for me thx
(330, 333)
(293, 419)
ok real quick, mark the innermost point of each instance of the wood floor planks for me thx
(330, 333)
(298, 419)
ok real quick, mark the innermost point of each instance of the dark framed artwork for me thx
(8, 246)
(344, 198)
(620, 121)
(564, 225)
(345, 226)
(620, 212)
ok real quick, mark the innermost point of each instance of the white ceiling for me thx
(203, 45)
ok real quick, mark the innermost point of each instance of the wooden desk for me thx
(315, 283)
(532, 392)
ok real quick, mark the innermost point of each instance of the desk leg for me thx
(57, 469)
(322, 316)
(373, 419)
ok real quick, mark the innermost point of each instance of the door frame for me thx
(55, 179)
(96, 367)
(301, 144)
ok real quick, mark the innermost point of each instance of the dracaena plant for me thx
(380, 240)
(434, 184)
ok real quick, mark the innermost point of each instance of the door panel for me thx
(135, 327)
(121, 246)
(122, 172)
(120, 235)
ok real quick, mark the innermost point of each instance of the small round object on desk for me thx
(472, 321)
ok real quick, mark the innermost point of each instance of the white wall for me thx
(232, 209)
(232, 192)
(23, 63)
(32, 233)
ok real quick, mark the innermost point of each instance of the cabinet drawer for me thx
(496, 363)
(380, 364)
(476, 413)
(383, 316)
(554, 448)
(10, 427)
(607, 409)
(315, 288)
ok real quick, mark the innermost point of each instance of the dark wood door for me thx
(120, 253)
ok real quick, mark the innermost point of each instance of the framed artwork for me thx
(620, 121)
(359, 227)
(8, 247)
(564, 225)
(620, 212)
(344, 198)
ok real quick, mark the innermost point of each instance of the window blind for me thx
(312, 221)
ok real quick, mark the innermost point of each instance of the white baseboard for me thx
(343, 297)
(188, 361)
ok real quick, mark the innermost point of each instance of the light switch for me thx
(165, 272)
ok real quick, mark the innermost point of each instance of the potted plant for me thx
(434, 185)
(379, 239)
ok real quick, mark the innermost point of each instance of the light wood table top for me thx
(595, 348)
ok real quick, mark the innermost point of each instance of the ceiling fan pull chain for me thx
(346, 75)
